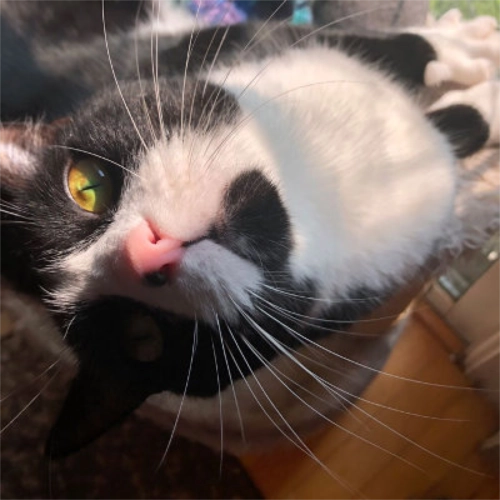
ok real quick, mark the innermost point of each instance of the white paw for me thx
(468, 51)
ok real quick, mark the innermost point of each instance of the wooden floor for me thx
(434, 457)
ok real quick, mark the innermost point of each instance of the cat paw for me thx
(485, 98)
(468, 51)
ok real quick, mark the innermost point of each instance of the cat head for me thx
(153, 223)
(146, 231)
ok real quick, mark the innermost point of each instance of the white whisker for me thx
(371, 417)
(370, 368)
(188, 377)
(220, 408)
(30, 402)
(84, 151)
(296, 440)
(116, 79)
(242, 429)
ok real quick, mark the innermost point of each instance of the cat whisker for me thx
(305, 37)
(336, 388)
(139, 78)
(220, 408)
(345, 375)
(245, 120)
(250, 47)
(275, 371)
(198, 78)
(15, 212)
(17, 390)
(116, 79)
(242, 429)
(188, 377)
(370, 368)
(30, 402)
(297, 318)
(296, 440)
(364, 412)
(280, 348)
(330, 301)
(186, 67)
(155, 72)
(95, 155)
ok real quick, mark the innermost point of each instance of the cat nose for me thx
(152, 256)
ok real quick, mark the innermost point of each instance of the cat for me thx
(204, 230)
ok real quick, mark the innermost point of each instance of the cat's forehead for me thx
(131, 116)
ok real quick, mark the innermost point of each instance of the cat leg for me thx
(467, 51)
(449, 50)
(469, 118)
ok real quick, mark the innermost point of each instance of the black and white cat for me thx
(202, 229)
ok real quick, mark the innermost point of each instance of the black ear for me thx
(127, 352)
(92, 406)
(121, 355)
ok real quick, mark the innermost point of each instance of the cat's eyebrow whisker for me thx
(198, 78)
(295, 439)
(243, 438)
(139, 78)
(188, 377)
(186, 67)
(116, 79)
(155, 72)
(107, 160)
(373, 418)
(268, 34)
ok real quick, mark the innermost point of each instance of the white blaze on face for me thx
(179, 189)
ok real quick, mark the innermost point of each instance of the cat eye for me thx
(90, 185)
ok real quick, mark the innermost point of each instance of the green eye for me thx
(90, 186)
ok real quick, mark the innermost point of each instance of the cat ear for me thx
(20, 146)
(92, 406)
(122, 359)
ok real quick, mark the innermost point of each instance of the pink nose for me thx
(149, 253)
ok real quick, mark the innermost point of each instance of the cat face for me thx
(171, 218)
